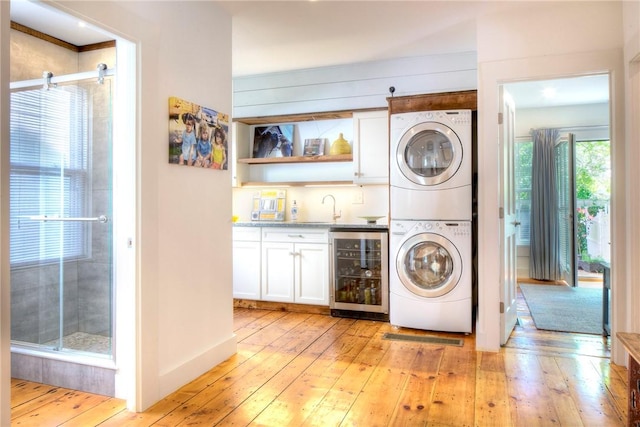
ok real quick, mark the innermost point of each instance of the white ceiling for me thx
(277, 36)
(566, 91)
(50, 21)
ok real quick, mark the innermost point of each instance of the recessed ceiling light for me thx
(81, 24)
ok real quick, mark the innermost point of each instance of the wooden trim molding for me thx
(302, 117)
(281, 306)
(298, 159)
(97, 46)
(463, 100)
(42, 36)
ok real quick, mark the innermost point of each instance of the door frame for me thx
(491, 75)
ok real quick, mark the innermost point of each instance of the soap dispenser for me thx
(294, 211)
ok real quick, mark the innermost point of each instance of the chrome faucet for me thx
(335, 217)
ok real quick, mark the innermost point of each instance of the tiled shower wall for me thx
(87, 292)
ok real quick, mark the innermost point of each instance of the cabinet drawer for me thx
(246, 234)
(295, 235)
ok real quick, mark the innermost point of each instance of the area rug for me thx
(565, 309)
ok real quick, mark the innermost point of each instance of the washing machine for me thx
(430, 275)
(430, 172)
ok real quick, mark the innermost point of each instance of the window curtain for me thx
(544, 259)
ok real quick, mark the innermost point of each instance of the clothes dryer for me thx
(430, 285)
(430, 172)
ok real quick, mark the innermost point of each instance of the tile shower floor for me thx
(82, 341)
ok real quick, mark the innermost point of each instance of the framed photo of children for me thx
(198, 136)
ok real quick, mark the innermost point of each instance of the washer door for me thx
(429, 265)
(429, 153)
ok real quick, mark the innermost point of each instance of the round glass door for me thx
(429, 153)
(429, 265)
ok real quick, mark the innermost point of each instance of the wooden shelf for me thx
(298, 159)
(298, 184)
(302, 117)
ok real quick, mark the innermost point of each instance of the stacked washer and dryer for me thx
(430, 242)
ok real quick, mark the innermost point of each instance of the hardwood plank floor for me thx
(302, 369)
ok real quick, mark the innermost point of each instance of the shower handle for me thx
(101, 218)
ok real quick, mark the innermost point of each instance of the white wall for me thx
(353, 86)
(183, 324)
(536, 41)
(631, 31)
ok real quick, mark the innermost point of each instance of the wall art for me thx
(198, 136)
(273, 141)
(314, 146)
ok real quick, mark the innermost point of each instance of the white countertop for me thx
(329, 225)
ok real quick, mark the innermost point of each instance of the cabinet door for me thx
(246, 270)
(371, 147)
(312, 273)
(277, 271)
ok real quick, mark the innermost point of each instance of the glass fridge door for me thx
(359, 271)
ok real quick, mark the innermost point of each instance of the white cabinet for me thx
(371, 147)
(246, 262)
(295, 265)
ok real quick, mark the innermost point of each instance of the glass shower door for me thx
(61, 218)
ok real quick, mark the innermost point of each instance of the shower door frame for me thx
(90, 358)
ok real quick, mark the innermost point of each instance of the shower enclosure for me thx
(61, 225)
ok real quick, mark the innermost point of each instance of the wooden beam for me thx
(42, 36)
(463, 100)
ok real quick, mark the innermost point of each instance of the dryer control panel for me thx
(457, 228)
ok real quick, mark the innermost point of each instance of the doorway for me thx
(576, 107)
(86, 360)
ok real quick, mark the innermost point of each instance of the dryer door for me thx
(429, 153)
(429, 265)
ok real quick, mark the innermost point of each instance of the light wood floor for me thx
(310, 369)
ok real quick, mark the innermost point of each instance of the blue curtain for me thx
(544, 259)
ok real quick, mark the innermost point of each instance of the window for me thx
(48, 174)
(593, 178)
(524, 155)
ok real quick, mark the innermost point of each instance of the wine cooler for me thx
(360, 274)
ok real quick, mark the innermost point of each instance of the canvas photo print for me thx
(198, 136)
(273, 141)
